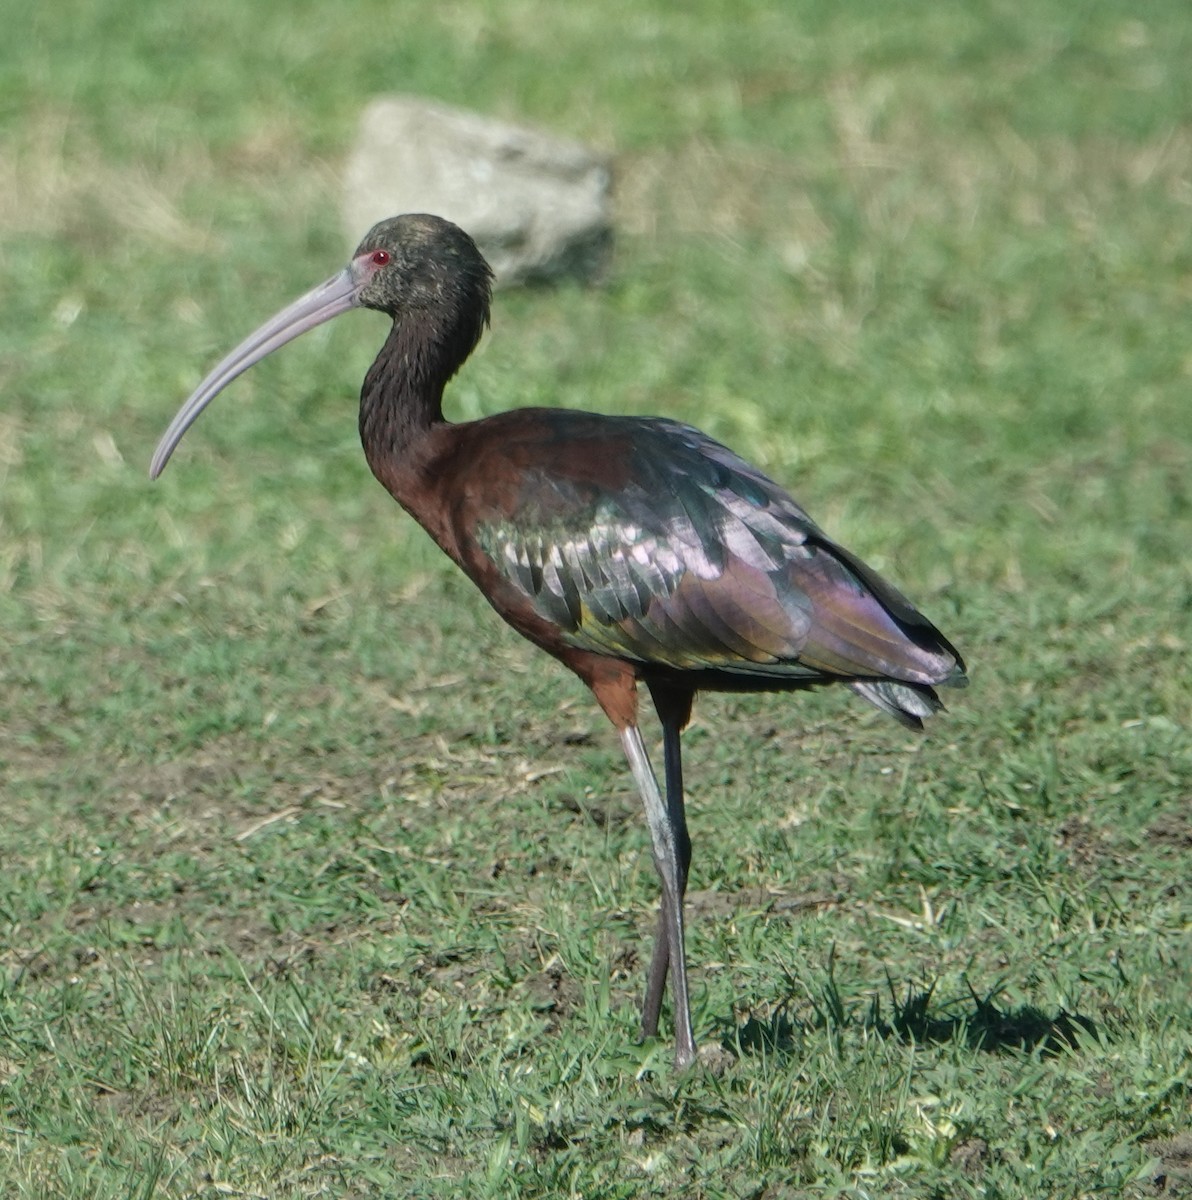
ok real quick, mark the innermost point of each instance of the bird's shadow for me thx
(977, 1021)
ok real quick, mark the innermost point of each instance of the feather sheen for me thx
(698, 562)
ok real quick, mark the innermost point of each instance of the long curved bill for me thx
(337, 295)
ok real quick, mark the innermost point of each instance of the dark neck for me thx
(402, 397)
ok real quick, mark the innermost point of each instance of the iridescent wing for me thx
(647, 540)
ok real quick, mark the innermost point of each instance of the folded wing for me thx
(695, 561)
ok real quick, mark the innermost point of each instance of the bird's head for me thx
(416, 268)
(419, 263)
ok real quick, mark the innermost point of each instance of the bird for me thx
(637, 551)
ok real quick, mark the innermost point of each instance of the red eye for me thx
(380, 258)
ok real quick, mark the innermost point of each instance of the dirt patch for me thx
(553, 992)
(970, 1155)
(601, 812)
(714, 904)
(1084, 843)
(1173, 830)
(1173, 1177)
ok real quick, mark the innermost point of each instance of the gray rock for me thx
(537, 206)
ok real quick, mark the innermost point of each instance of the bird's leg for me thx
(660, 961)
(656, 979)
(672, 857)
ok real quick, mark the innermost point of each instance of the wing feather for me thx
(694, 560)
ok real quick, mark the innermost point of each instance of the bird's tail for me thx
(907, 703)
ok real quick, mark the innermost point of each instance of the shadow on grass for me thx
(980, 1023)
(983, 1026)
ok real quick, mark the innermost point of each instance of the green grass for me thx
(315, 881)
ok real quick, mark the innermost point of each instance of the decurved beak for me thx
(328, 300)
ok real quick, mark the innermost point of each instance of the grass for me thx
(317, 882)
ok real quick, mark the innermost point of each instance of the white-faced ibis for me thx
(633, 549)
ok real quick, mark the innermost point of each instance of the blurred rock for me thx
(537, 206)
